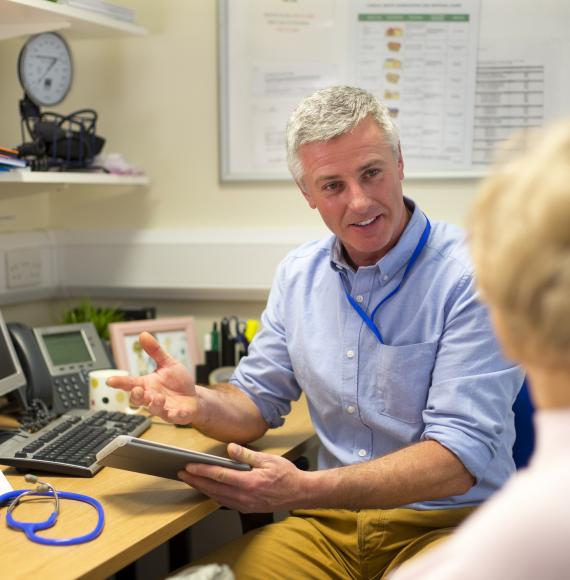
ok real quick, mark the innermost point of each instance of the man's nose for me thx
(359, 200)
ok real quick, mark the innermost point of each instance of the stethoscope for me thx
(44, 489)
(369, 320)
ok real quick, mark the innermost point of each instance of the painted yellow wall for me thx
(157, 99)
(38, 313)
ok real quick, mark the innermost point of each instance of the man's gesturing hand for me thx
(168, 392)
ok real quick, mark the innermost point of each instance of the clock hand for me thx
(50, 66)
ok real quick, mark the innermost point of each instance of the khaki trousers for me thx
(329, 544)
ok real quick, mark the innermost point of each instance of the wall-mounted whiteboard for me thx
(458, 76)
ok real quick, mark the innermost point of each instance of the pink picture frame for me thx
(176, 335)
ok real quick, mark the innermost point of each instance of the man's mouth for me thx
(367, 222)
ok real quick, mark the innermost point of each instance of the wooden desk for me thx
(141, 511)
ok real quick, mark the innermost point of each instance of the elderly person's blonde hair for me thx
(520, 239)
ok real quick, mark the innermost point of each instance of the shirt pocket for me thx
(404, 378)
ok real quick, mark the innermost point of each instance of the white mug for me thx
(102, 397)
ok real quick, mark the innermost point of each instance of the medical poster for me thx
(459, 77)
(269, 71)
(420, 59)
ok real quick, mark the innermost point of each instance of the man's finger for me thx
(156, 406)
(138, 397)
(152, 347)
(253, 458)
(125, 383)
(220, 476)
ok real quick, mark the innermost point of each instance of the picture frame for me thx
(176, 335)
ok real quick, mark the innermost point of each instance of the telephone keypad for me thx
(72, 391)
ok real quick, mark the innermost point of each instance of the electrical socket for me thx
(24, 267)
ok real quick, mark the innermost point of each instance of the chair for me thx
(221, 375)
(524, 441)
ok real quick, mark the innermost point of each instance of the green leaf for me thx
(101, 317)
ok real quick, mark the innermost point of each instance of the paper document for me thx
(419, 59)
(5, 486)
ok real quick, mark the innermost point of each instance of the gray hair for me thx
(330, 113)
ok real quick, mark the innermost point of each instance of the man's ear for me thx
(400, 163)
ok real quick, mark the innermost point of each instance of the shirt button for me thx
(350, 409)
(360, 298)
(385, 278)
(362, 452)
(350, 353)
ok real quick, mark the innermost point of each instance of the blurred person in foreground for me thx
(520, 239)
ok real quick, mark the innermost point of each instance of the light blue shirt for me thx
(440, 374)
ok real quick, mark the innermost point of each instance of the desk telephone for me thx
(44, 372)
(56, 361)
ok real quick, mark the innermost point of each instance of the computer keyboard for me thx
(69, 444)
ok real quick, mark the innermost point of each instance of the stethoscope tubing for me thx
(30, 528)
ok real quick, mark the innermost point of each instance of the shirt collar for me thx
(399, 255)
(338, 261)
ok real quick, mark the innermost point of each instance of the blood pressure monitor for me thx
(45, 68)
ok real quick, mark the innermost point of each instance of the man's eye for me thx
(372, 172)
(332, 187)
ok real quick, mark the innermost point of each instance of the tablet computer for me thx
(142, 456)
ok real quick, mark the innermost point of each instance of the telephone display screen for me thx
(67, 348)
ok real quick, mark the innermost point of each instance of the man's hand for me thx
(168, 392)
(273, 484)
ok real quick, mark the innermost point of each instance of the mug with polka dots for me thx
(102, 397)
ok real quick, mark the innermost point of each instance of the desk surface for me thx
(141, 511)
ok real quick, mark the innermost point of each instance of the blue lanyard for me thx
(369, 320)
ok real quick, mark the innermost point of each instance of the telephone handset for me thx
(37, 375)
(56, 361)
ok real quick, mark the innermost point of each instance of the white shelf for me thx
(56, 178)
(24, 17)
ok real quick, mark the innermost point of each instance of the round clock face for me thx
(45, 68)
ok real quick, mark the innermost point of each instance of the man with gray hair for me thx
(379, 325)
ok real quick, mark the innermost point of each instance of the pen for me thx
(228, 345)
(212, 348)
(215, 338)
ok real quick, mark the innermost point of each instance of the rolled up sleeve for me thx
(469, 405)
(266, 374)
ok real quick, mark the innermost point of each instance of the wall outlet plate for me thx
(23, 267)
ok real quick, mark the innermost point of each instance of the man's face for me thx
(356, 184)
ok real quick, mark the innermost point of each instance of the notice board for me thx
(458, 76)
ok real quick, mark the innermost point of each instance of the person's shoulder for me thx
(313, 250)
(306, 261)
(449, 243)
